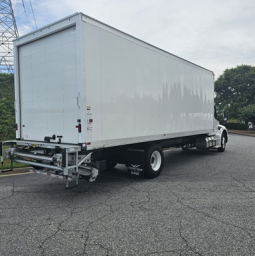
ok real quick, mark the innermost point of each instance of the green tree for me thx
(247, 113)
(7, 112)
(235, 89)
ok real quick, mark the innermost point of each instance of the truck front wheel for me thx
(223, 143)
(154, 161)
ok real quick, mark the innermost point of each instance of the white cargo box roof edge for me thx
(32, 36)
(105, 25)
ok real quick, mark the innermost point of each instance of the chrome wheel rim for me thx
(156, 160)
(223, 142)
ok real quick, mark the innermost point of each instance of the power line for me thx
(33, 13)
(26, 14)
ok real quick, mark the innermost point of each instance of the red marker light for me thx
(78, 127)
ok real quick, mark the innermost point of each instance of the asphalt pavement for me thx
(203, 203)
(243, 132)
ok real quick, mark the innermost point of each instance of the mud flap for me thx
(136, 162)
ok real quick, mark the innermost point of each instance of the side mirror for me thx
(225, 115)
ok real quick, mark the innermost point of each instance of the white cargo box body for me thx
(123, 90)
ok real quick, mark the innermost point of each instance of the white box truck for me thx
(88, 96)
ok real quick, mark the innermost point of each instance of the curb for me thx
(250, 134)
(15, 171)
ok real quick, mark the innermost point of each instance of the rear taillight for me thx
(79, 128)
(16, 126)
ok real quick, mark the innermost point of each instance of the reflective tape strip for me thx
(51, 174)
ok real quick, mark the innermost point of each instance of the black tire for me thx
(154, 161)
(223, 143)
(85, 177)
(38, 168)
(110, 165)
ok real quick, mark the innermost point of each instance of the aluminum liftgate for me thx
(56, 160)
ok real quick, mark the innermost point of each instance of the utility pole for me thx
(8, 32)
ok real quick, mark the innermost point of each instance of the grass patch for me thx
(15, 171)
(7, 165)
(7, 162)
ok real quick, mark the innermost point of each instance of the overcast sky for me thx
(215, 34)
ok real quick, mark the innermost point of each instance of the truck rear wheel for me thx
(154, 161)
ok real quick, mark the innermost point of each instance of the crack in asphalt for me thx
(93, 222)
(243, 185)
(99, 245)
(70, 214)
(140, 204)
(188, 246)
(41, 246)
(133, 204)
(216, 219)
(111, 211)
(12, 192)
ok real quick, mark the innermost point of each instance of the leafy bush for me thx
(233, 120)
(7, 112)
(248, 113)
(236, 126)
